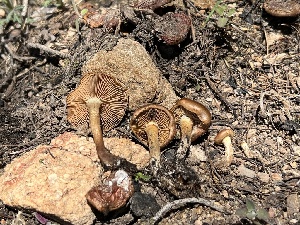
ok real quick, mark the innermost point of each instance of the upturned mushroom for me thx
(224, 137)
(112, 194)
(194, 119)
(101, 100)
(154, 125)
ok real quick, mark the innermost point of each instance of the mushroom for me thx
(103, 100)
(112, 194)
(224, 137)
(195, 119)
(154, 125)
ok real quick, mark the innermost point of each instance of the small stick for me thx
(25, 8)
(181, 202)
(47, 49)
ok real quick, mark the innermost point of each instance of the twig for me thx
(249, 37)
(217, 92)
(181, 202)
(14, 56)
(47, 49)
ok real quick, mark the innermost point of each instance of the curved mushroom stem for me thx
(186, 128)
(106, 158)
(153, 142)
(228, 150)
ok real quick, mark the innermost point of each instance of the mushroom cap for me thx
(153, 113)
(285, 8)
(111, 93)
(228, 132)
(197, 112)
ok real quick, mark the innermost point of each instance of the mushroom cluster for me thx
(155, 126)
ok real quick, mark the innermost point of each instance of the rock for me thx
(130, 64)
(264, 177)
(144, 205)
(293, 204)
(243, 171)
(53, 179)
(196, 155)
(121, 147)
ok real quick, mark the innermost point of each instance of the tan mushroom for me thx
(194, 119)
(102, 101)
(224, 137)
(112, 194)
(154, 125)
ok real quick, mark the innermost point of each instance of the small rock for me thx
(264, 177)
(276, 177)
(293, 204)
(144, 205)
(243, 171)
(196, 154)
(2, 13)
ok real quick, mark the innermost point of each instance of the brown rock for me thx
(130, 64)
(293, 204)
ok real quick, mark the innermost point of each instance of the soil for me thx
(246, 72)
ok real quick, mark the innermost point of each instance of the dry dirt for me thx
(247, 73)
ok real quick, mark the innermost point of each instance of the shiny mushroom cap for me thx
(113, 101)
(223, 134)
(157, 114)
(197, 112)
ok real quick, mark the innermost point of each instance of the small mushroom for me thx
(112, 194)
(224, 137)
(103, 100)
(194, 120)
(154, 125)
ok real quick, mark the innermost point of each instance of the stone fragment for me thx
(244, 171)
(131, 65)
(264, 177)
(293, 204)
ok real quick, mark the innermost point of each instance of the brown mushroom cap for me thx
(223, 134)
(197, 112)
(159, 115)
(111, 93)
(282, 8)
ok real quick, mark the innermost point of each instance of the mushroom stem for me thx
(228, 150)
(186, 128)
(93, 104)
(153, 141)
